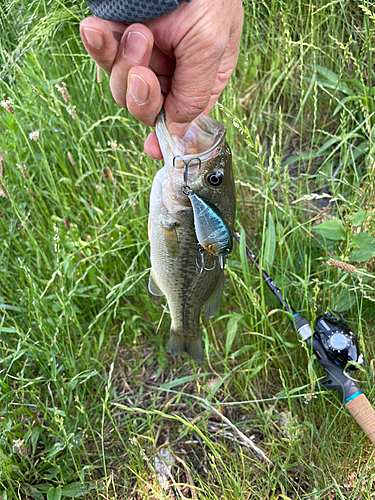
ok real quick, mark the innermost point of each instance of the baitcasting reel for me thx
(335, 345)
(339, 342)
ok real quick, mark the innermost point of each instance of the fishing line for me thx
(277, 269)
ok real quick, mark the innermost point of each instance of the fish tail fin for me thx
(179, 343)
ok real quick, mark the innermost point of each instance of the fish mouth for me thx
(202, 141)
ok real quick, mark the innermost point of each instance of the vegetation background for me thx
(90, 401)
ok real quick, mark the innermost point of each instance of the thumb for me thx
(197, 65)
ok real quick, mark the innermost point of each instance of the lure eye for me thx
(215, 178)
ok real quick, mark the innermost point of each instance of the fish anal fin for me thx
(180, 343)
(212, 304)
(153, 287)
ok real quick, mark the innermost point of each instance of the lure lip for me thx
(178, 161)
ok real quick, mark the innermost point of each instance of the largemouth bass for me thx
(203, 155)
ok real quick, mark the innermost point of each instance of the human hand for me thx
(183, 59)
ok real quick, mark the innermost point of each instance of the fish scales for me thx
(172, 231)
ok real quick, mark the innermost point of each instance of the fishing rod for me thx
(335, 345)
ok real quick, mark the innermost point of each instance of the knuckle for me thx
(222, 78)
(190, 107)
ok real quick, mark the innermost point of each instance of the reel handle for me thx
(362, 411)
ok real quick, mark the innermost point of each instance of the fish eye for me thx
(215, 178)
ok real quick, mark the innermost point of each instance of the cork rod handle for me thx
(360, 408)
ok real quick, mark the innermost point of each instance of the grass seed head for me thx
(66, 223)
(342, 265)
(98, 74)
(2, 164)
(70, 109)
(22, 167)
(7, 103)
(112, 144)
(19, 448)
(62, 89)
(34, 136)
(110, 175)
(4, 192)
(71, 159)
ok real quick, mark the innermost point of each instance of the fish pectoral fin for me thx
(212, 304)
(153, 287)
(171, 236)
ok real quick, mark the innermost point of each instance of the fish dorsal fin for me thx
(212, 304)
(171, 237)
(153, 287)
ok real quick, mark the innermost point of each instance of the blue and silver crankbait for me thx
(212, 231)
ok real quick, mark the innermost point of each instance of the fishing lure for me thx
(212, 231)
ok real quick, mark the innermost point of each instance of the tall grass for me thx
(88, 394)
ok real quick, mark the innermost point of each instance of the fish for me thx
(191, 219)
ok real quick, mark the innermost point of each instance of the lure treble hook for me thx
(201, 266)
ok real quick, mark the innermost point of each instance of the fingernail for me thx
(178, 129)
(136, 46)
(94, 38)
(138, 89)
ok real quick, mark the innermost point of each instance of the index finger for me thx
(101, 39)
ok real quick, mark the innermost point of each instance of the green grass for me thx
(88, 393)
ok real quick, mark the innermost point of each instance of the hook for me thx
(174, 160)
(186, 166)
(202, 266)
(186, 189)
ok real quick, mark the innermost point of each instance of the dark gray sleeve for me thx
(132, 11)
